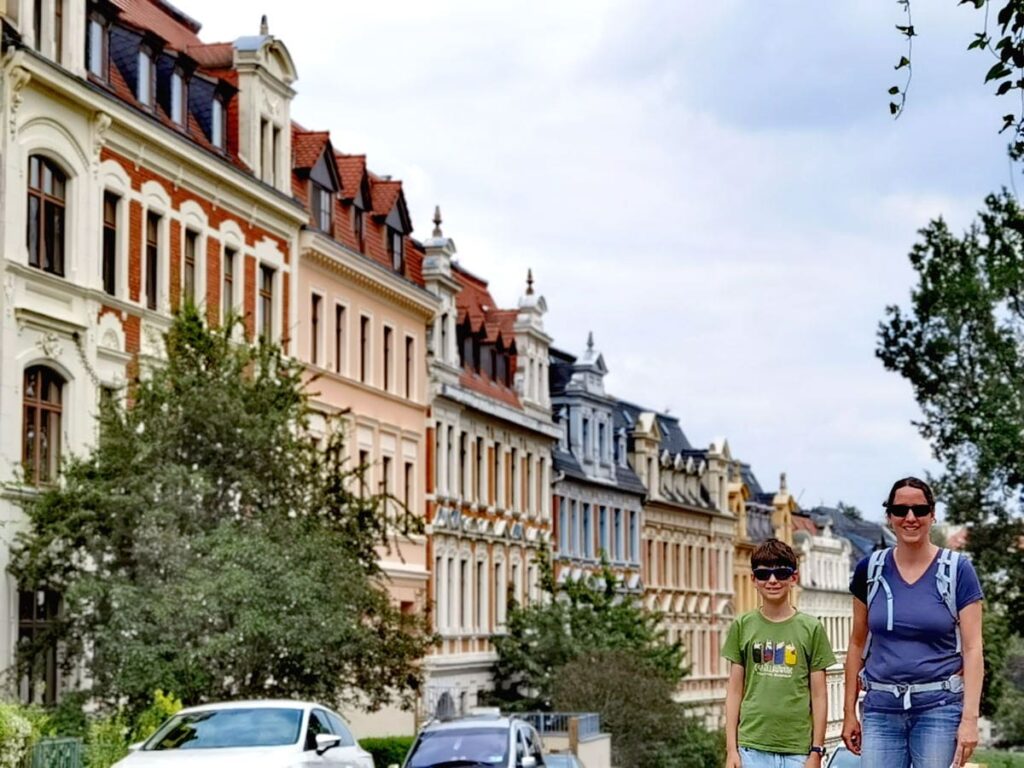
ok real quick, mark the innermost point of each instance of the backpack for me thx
(945, 580)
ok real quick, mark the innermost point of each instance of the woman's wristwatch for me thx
(818, 750)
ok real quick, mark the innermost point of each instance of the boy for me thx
(776, 704)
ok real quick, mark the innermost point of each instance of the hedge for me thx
(389, 750)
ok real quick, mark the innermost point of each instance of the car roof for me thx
(254, 704)
(473, 721)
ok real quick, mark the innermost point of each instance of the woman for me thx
(915, 647)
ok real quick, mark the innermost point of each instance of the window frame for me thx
(321, 204)
(45, 258)
(190, 265)
(396, 250)
(100, 25)
(218, 123)
(267, 275)
(109, 249)
(179, 89)
(146, 98)
(153, 223)
(229, 256)
(35, 411)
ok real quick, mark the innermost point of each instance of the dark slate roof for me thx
(625, 478)
(559, 371)
(759, 522)
(673, 439)
(750, 480)
(864, 535)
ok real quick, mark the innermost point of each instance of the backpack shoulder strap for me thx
(946, 581)
(876, 564)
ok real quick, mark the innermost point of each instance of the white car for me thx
(251, 734)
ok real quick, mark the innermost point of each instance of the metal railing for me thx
(557, 723)
(55, 753)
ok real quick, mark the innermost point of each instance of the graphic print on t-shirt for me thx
(774, 658)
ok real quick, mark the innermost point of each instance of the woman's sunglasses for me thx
(781, 574)
(902, 510)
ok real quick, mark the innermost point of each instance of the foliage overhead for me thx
(634, 700)
(959, 346)
(572, 618)
(1001, 36)
(210, 546)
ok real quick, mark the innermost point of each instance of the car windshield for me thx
(486, 746)
(221, 728)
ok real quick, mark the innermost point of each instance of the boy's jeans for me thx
(898, 739)
(753, 758)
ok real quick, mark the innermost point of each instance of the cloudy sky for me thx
(715, 189)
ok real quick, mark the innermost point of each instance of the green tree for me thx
(634, 700)
(208, 545)
(959, 347)
(572, 618)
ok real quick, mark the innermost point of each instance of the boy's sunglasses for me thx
(781, 574)
(902, 510)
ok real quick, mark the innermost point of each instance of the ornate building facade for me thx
(598, 498)
(687, 547)
(490, 436)
(135, 177)
(825, 594)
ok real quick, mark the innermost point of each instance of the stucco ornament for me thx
(49, 344)
(18, 79)
(101, 123)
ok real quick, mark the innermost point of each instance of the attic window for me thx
(358, 226)
(396, 247)
(217, 123)
(147, 78)
(321, 203)
(179, 96)
(96, 46)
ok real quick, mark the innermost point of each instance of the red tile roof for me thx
(385, 194)
(307, 146)
(163, 19)
(804, 523)
(213, 56)
(351, 168)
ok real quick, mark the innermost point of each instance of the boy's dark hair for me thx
(773, 553)
(910, 482)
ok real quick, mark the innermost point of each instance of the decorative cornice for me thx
(370, 276)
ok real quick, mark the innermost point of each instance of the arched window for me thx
(41, 424)
(45, 226)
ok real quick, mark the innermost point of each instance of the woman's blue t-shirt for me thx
(921, 648)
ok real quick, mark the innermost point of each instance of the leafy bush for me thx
(16, 734)
(389, 750)
(153, 716)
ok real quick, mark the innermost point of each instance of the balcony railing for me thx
(557, 723)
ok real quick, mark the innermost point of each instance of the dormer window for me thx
(147, 78)
(96, 46)
(217, 123)
(179, 97)
(322, 209)
(358, 226)
(396, 247)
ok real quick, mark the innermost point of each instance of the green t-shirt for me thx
(777, 659)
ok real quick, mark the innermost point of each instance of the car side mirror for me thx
(529, 761)
(325, 741)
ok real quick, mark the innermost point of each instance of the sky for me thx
(715, 189)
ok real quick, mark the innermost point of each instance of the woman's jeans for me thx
(900, 739)
(753, 758)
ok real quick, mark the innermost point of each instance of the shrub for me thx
(105, 741)
(153, 716)
(16, 734)
(389, 750)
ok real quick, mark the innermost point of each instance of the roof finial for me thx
(529, 282)
(264, 27)
(782, 483)
(590, 341)
(437, 221)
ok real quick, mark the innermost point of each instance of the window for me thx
(480, 470)
(563, 527)
(152, 257)
(339, 337)
(58, 30)
(385, 475)
(188, 278)
(228, 291)
(409, 371)
(110, 202)
(45, 230)
(314, 327)
(616, 553)
(602, 530)
(275, 152)
(358, 227)
(463, 464)
(407, 487)
(481, 596)
(266, 318)
(321, 202)
(37, 612)
(41, 427)
(388, 364)
(217, 122)
(147, 78)
(634, 536)
(364, 470)
(96, 47)
(396, 248)
(602, 452)
(179, 97)
(364, 341)
(37, 24)
(588, 533)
